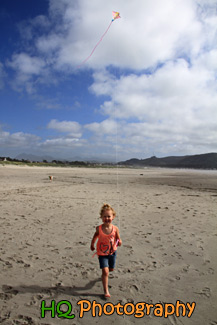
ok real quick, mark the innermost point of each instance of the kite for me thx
(115, 15)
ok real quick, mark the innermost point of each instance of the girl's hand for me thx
(119, 242)
(95, 236)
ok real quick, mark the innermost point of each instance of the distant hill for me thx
(203, 161)
(26, 156)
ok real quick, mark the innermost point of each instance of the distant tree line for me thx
(65, 162)
(9, 159)
(54, 162)
(59, 162)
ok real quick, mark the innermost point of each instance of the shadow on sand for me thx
(54, 291)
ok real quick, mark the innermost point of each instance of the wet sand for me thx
(167, 221)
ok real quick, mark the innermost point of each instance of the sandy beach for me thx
(167, 221)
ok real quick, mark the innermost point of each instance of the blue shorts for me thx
(107, 261)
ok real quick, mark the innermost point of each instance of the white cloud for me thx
(27, 68)
(173, 109)
(17, 139)
(48, 44)
(173, 91)
(145, 139)
(60, 143)
(28, 29)
(207, 60)
(72, 128)
(149, 32)
(105, 127)
(26, 65)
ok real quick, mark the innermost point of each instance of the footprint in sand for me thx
(5, 296)
(134, 289)
(35, 300)
(4, 317)
(24, 320)
(211, 270)
(8, 293)
(179, 255)
(205, 292)
(174, 320)
(186, 268)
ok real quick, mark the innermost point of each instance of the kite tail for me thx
(95, 46)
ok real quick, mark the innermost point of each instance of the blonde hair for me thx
(105, 207)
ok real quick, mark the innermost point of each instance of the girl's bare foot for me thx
(107, 295)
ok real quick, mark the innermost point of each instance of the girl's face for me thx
(107, 217)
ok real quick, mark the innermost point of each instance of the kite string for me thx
(117, 178)
(117, 170)
(95, 46)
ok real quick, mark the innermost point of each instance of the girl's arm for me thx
(95, 236)
(118, 237)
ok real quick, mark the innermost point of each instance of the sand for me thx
(167, 222)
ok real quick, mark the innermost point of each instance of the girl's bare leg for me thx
(105, 274)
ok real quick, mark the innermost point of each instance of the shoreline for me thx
(108, 167)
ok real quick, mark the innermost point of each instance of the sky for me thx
(149, 87)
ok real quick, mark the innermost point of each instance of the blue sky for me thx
(149, 87)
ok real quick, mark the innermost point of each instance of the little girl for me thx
(108, 240)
